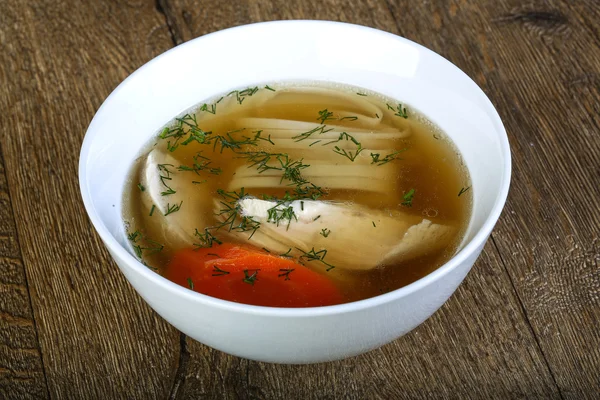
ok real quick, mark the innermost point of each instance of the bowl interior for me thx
(291, 50)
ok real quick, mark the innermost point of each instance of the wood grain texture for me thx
(479, 343)
(58, 61)
(21, 366)
(540, 62)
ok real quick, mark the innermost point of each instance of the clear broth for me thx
(428, 163)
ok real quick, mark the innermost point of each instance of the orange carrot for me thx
(246, 275)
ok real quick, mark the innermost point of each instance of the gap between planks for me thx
(22, 262)
(526, 317)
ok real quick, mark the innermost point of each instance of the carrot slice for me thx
(246, 275)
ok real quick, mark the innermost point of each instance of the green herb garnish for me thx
(218, 271)
(377, 160)
(285, 272)
(152, 210)
(165, 175)
(276, 215)
(250, 279)
(313, 255)
(463, 190)
(399, 111)
(173, 208)
(206, 239)
(190, 283)
(168, 192)
(408, 198)
(269, 88)
(348, 154)
(324, 115)
(141, 187)
(325, 232)
(201, 163)
(287, 253)
(258, 137)
(212, 109)
(305, 135)
(138, 239)
(241, 95)
(231, 212)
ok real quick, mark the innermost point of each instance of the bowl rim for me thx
(471, 246)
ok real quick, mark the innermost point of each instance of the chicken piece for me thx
(175, 199)
(342, 235)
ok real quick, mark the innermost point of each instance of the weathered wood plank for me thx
(479, 343)
(188, 19)
(21, 366)
(58, 61)
(540, 64)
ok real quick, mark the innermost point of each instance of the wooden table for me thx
(524, 324)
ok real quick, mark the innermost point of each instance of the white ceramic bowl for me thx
(278, 51)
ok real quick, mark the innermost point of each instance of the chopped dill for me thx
(343, 136)
(287, 253)
(305, 135)
(231, 212)
(241, 95)
(138, 250)
(285, 273)
(374, 226)
(315, 142)
(463, 190)
(206, 239)
(229, 142)
(408, 198)
(218, 271)
(276, 215)
(173, 208)
(436, 136)
(152, 210)
(141, 187)
(165, 175)
(212, 109)
(325, 232)
(399, 111)
(316, 218)
(265, 249)
(325, 115)
(141, 243)
(349, 118)
(269, 88)
(201, 163)
(361, 94)
(377, 160)
(314, 255)
(250, 278)
(168, 192)
(213, 254)
(135, 236)
(348, 154)
(258, 137)
(190, 283)
(198, 182)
